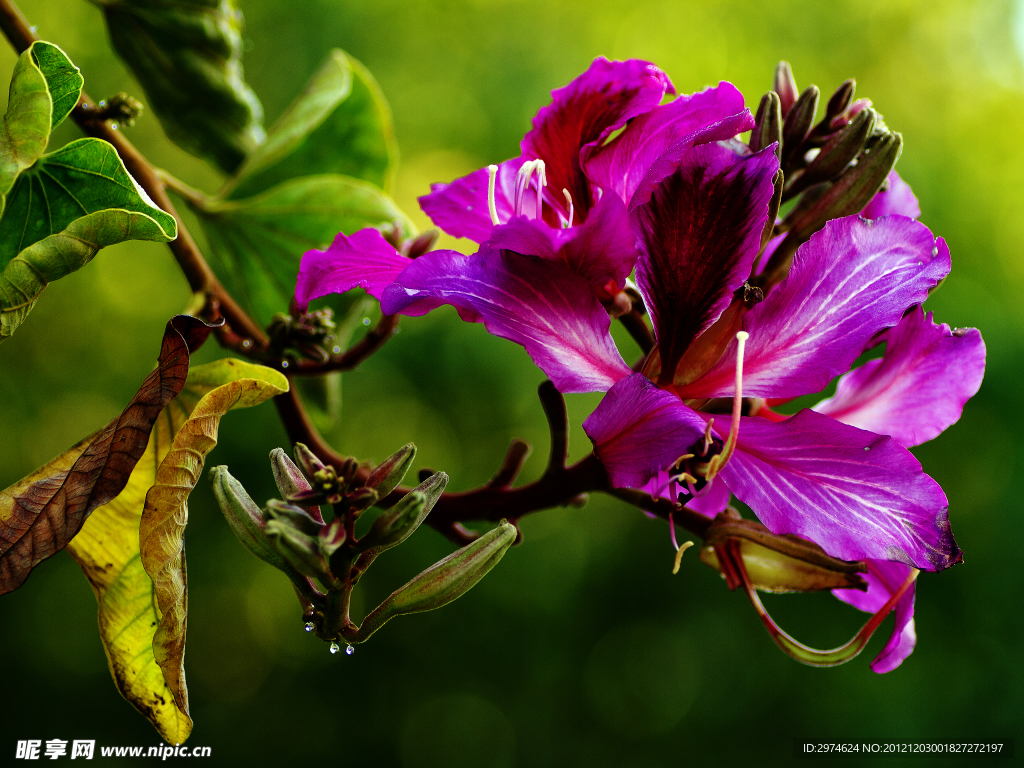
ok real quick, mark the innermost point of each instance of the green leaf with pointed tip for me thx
(187, 56)
(61, 211)
(26, 126)
(339, 124)
(109, 552)
(259, 241)
(63, 79)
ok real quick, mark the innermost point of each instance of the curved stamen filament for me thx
(680, 549)
(523, 179)
(812, 656)
(720, 460)
(492, 208)
(568, 201)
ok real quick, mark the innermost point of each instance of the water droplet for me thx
(309, 626)
(350, 650)
(366, 321)
(284, 363)
(335, 647)
(336, 350)
(920, 263)
(246, 344)
(866, 448)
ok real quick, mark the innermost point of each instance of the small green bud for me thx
(444, 581)
(837, 153)
(307, 460)
(768, 124)
(397, 524)
(840, 100)
(300, 550)
(798, 125)
(244, 517)
(294, 516)
(785, 86)
(290, 480)
(386, 476)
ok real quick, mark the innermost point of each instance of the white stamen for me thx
(492, 176)
(523, 179)
(542, 181)
(568, 201)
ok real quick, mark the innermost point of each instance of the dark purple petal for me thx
(851, 280)
(918, 388)
(584, 112)
(639, 429)
(364, 259)
(535, 302)
(897, 199)
(460, 208)
(714, 114)
(854, 493)
(602, 249)
(699, 222)
(884, 578)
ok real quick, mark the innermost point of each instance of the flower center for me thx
(523, 180)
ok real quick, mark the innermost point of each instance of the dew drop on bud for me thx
(337, 350)
(366, 321)
(284, 363)
(309, 626)
(335, 647)
(350, 650)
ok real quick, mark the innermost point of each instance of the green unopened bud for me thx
(244, 517)
(785, 86)
(294, 516)
(307, 460)
(840, 100)
(361, 498)
(443, 582)
(778, 563)
(300, 550)
(397, 524)
(386, 476)
(837, 154)
(290, 480)
(798, 125)
(850, 192)
(768, 124)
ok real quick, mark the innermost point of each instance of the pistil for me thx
(721, 459)
(492, 208)
(523, 179)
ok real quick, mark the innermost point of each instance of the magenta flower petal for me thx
(884, 578)
(364, 259)
(856, 494)
(714, 114)
(460, 208)
(851, 280)
(897, 199)
(532, 301)
(583, 113)
(638, 429)
(699, 219)
(711, 499)
(602, 249)
(918, 388)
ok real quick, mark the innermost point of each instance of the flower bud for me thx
(307, 460)
(333, 536)
(386, 476)
(244, 517)
(444, 581)
(785, 86)
(837, 153)
(361, 498)
(767, 124)
(777, 563)
(301, 550)
(290, 480)
(294, 516)
(840, 100)
(798, 125)
(397, 524)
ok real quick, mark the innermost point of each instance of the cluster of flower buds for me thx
(303, 335)
(836, 165)
(323, 557)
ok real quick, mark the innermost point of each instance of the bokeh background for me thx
(580, 649)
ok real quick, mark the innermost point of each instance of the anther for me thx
(568, 201)
(492, 208)
(680, 549)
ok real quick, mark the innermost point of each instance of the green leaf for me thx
(26, 128)
(134, 612)
(259, 241)
(40, 514)
(339, 124)
(187, 56)
(63, 79)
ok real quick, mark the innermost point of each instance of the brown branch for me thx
(88, 116)
(518, 451)
(553, 403)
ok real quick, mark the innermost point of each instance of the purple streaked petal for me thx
(639, 429)
(535, 302)
(460, 208)
(884, 578)
(851, 280)
(714, 114)
(699, 222)
(600, 250)
(709, 501)
(584, 112)
(364, 259)
(854, 493)
(918, 388)
(897, 199)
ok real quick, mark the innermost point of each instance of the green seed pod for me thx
(244, 517)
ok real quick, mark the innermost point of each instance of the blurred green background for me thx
(580, 649)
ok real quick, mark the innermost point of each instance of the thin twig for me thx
(634, 322)
(553, 403)
(518, 451)
(374, 339)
